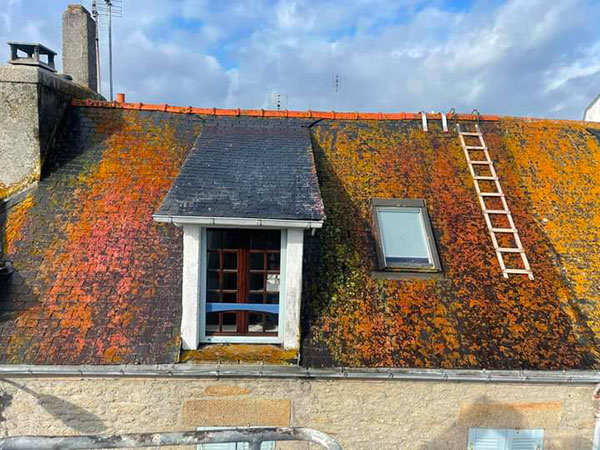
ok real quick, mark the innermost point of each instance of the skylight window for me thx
(404, 237)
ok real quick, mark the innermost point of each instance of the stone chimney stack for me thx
(79, 46)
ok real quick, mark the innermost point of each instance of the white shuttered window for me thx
(505, 439)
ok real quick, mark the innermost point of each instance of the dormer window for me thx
(243, 278)
(404, 237)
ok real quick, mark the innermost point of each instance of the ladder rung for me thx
(491, 194)
(475, 147)
(496, 211)
(509, 250)
(489, 163)
(523, 271)
(470, 133)
(479, 177)
(504, 230)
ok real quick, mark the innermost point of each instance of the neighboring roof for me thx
(98, 281)
(244, 168)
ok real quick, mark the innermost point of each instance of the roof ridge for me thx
(308, 114)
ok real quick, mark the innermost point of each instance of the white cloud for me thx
(519, 57)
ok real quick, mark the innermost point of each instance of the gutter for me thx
(217, 371)
(238, 222)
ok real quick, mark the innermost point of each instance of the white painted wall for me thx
(592, 112)
(190, 318)
(293, 288)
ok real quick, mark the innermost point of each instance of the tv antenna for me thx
(108, 9)
(278, 101)
(337, 84)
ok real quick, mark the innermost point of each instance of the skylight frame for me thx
(378, 204)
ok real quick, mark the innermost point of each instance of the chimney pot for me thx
(120, 97)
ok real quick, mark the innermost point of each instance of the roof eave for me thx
(238, 222)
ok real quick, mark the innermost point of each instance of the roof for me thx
(247, 169)
(98, 281)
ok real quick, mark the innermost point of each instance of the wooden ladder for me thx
(497, 193)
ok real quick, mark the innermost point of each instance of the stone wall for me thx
(360, 414)
(32, 104)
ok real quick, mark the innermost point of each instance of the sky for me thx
(515, 57)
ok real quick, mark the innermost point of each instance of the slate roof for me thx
(248, 169)
(98, 281)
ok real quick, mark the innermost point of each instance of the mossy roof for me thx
(98, 281)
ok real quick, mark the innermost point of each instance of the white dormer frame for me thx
(194, 278)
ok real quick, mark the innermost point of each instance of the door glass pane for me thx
(232, 239)
(273, 282)
(257, 261)
(273, 261)
(212, 296)
(212, 322)
(272, 298)
(403, 236)
(229, 260)
(212, 280)
(230, 280)
(213, 260)
(255, 298)
(255, 323)
(271, 323)
(213, 239)
(229, 322)
(273, 239)
(229, 297)
(257, 281)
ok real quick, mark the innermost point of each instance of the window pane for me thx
(403, 236)
(273, 282)
(229, 260)
(273, 261)
(255, 323)
(257, 240)
(229, 322)
(229, 297)
(213, 280)
(213, 260)
(271, 323)
(232, 239)
(273, 240)
(212, 296)
(212, 322)
(257, 261)
(256, 281)
(273, 298)
(230, 281)
(213, 239)
(255, 298)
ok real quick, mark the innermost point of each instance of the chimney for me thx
(79, 46)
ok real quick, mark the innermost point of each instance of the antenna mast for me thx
(337, 83)
(97, 37)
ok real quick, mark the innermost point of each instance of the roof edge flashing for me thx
(238, 222)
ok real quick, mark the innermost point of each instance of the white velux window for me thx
(505, 439)
(405, 240)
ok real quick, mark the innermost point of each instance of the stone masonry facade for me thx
(383, 415)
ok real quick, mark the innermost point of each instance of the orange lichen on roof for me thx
(473, 317)
(91, 264)
(560, 168)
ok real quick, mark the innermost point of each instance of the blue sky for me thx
(514, 57)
